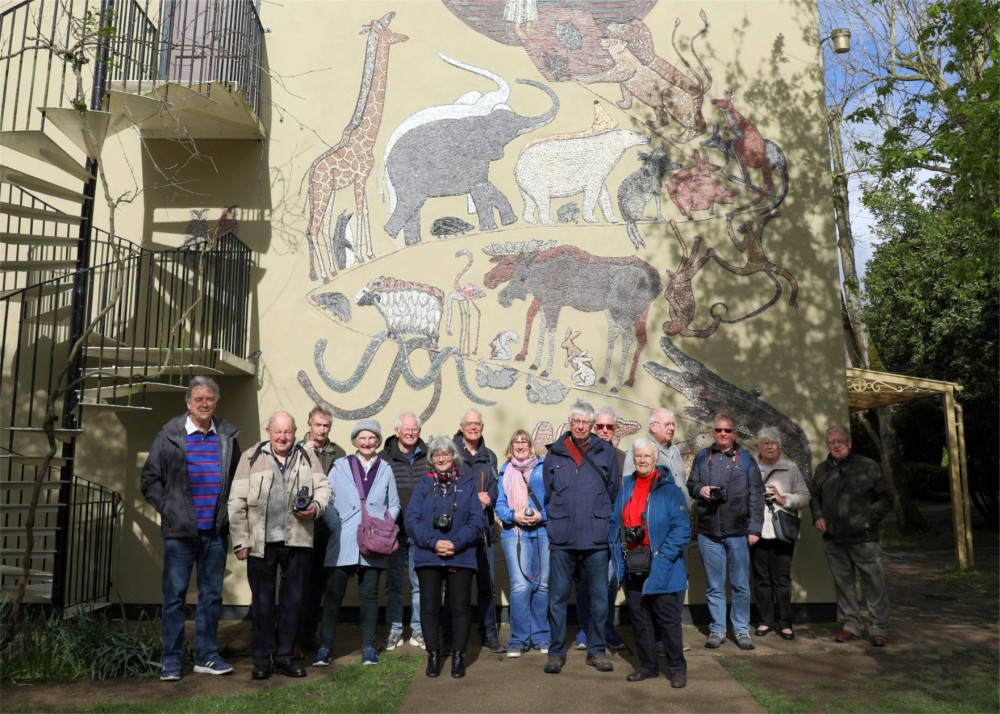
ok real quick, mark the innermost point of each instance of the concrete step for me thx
(71, 123)
(36, 575)
(37, 185)
(39, 145)
(33, 293)
(28, 485)
(62, 435)
(57, 462)
(38, 214)
(36, 240)
(16, 265)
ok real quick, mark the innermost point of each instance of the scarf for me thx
(443, 480)
(514, 486)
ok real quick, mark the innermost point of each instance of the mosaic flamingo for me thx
(465, 294)
(350, 162)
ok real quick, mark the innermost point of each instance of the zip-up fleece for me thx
(252, 487)
(165, 484)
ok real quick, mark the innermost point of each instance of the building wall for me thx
(742, 316)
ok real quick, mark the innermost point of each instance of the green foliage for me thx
(980, 580)
(86, 645)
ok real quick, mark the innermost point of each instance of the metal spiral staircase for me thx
(179, 312)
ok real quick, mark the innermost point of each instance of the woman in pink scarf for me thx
(521, 508)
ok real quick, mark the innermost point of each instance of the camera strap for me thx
(454, 497)
(531, 494)
(598, 469)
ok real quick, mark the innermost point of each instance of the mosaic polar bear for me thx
(559, 167)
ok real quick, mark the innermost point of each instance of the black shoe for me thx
(261, 672)
(492, 643)
(641, 674)
(600, 663)
(678, 680)
(289, 669)
(787, 635)
(761, 631)
(554, 665)
(457, 665)
(433, 664)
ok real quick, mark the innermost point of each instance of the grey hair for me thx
(399, 420)
(473, 411)
(581, 408)
(270, 419)
(319, 410)
(847, 432)
(769, 433)
(724, 416)
(644, 442)
(444, 443)
(201, 381)
(610, 410)
(653, 414)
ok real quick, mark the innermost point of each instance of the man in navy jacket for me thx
(581, 482)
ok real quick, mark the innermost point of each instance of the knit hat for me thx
(371, 425)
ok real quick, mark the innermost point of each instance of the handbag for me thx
(787, 526)
(376, 536)
(639, 560)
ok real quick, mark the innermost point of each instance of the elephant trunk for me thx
(532, 123)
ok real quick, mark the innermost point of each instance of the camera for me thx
(528, 512)
(718, 494)
(769, 496)
(302, 500)
(634, 534)
(442, 521)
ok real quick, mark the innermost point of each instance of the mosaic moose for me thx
(566, 276)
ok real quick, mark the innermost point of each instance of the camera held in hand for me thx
(718, 494)
(302, 500)
(634, 534)
(529, 512)
(770, 496)
(442, 521)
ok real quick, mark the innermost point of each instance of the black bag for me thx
(786, 525)
(639, 561)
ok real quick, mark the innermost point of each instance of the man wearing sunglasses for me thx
(726, 483)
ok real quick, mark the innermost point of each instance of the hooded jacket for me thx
(252, 487)
(668, 526)
(853, 496)
(742, 513)
(165, 484)
(406, 474)
(578, 499)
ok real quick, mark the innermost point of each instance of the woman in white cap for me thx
(362, 478)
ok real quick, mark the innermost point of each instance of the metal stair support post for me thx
(78, 323)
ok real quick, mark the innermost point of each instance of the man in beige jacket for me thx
(278, 491)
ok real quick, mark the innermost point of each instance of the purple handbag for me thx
(377, 537)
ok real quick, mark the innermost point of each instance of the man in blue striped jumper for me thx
(186, 478)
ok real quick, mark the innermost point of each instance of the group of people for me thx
(587, 513)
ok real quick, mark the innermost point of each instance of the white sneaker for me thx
(392, 641)
(417, 640)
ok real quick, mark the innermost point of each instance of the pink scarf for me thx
(514, 487)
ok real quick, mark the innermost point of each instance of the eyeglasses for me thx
(664, 423)
(838, 442)
(470, 424)
(409, 429)
(281, 433)
(581, 422)
(203, 400)
(722, 430)
(604, 426)
(522, 442)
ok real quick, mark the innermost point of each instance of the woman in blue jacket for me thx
(650, 518)
(360, 476)
(521, 509)
(444, 519)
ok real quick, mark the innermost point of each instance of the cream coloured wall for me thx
(765, 52)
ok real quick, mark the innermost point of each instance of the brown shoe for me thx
(880, 641)
(554, 665)
(845, 636)
(641, 674)
(678, 680)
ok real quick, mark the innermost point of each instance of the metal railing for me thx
(94, 512)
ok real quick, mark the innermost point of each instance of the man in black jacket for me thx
(186, 478)
(481, 462)
(406, 454)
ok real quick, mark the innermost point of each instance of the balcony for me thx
(188, 68)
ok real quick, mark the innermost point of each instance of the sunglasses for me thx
(604, 426)
(722, 430)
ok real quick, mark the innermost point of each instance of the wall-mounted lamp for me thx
(841, 40)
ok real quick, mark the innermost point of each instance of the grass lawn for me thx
(354, 688)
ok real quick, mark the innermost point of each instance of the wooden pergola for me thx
(867, 389)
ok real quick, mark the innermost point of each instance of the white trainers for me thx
(417, 640)
(392, 641)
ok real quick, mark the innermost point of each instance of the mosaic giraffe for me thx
(351, 160)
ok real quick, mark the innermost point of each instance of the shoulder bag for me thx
(787, 526)
(376, 536)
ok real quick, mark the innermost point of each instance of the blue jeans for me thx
(209, 553)
(399, 562)
(594, 564)
(715, 552)
(583, 603)
(529, 590)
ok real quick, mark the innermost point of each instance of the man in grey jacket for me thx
(187, 477)
(661, 430)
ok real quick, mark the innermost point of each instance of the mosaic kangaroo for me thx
(351, 160)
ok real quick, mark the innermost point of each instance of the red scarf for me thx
(575, 452)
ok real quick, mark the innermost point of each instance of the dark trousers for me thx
(274, 629)
(594, 566)
(485, 596)
(459, 583)
(336, 586)
(772, 581)
(313, 608)
(656, 617)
